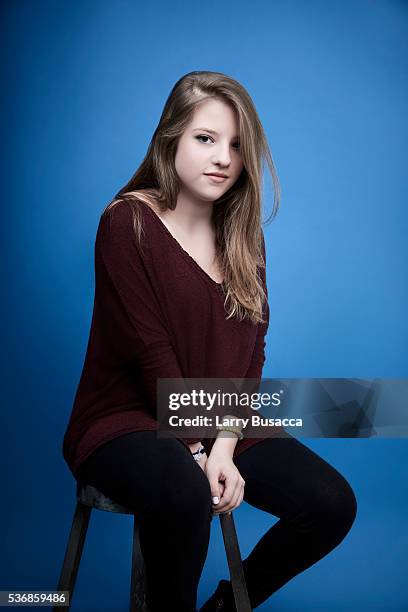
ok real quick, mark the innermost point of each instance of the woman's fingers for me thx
(241, 496)
(222, 488)
(215, 486)
(221, 469)
(236, 499)
(227, 495)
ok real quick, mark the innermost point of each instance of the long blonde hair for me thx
(237, 214)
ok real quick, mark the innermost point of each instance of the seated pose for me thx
(180, 292)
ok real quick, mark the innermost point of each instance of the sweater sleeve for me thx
(146, 339)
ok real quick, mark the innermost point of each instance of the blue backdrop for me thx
(84, 86)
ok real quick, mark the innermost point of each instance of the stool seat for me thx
(92, 497)
(88, 498)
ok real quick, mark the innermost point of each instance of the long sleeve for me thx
(143, 336)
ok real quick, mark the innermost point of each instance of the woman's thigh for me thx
(286, 478)
(149, 475)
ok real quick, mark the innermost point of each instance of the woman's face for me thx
(209, 144)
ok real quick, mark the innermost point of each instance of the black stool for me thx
(89, 497)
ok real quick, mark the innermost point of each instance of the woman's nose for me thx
(222, 156)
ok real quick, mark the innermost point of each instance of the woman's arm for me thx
(224, 444)
(134, 319)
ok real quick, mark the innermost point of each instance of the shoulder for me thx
(127, 215)
(122, 209)
(127, 225)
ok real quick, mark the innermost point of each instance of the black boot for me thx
(222, 600)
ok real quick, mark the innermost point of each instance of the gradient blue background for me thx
(84, 86)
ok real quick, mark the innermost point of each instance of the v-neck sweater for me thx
(156, 314)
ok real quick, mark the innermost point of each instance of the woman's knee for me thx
(181, 489)
(189, 498)
(336, 504)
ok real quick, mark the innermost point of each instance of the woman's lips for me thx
(217, 179)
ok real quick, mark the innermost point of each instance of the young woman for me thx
(180, 291)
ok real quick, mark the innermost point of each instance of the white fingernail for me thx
(215, 500)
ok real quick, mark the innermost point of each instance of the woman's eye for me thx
(236, 145)
(203, 136)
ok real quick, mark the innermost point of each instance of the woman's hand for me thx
(225, 481)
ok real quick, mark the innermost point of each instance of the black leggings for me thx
(159, 480)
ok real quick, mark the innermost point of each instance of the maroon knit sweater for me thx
(157, 314)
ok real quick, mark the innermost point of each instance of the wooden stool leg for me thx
(138, 575)
(229, 534)
(73, 552)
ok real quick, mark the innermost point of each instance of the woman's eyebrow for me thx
(210, 131)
